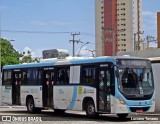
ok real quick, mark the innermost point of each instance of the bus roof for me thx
(68, 62)
(155, 59)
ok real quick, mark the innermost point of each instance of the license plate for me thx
(139, 111)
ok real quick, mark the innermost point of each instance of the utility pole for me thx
(73, 41)
(150, 39)
(137, 43)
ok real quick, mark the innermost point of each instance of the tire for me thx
(90, 109)
(38, 110)
(59, 111)
(30, 105)
(122, 116)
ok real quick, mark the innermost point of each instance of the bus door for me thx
(48, 88)
(104, 90)
(16, 83)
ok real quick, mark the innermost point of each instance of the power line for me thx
(34, 32)
(43, 32)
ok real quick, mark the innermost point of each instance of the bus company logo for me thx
(84, 91)
(61, 91)
(6, 118)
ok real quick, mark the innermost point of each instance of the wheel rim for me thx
(90, 109)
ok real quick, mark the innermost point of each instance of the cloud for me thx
(37, 53)
(34, 53)
(84, 52)
(26, 49)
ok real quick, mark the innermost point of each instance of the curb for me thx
(12, 107)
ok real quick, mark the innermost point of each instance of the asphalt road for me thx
(20, 115)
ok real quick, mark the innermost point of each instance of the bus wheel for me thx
(59, 111)
(122, 116)
(90, 109)
(38, 110)
(30, 105)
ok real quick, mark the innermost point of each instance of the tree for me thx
(9, 55)
(27, 57)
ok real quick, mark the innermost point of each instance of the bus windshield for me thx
(135, 80)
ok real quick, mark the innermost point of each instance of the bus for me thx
(101, 85)
(155, 61)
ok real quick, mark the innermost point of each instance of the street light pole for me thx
(92, 51)
(81, 47)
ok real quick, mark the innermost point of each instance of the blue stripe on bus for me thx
(72, 103)
(17, 66)
(91, 60)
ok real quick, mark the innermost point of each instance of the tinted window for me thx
(88, 74)
(7, 77)
(39, 77)
(62, 75)
(32, 76)
(24, 77)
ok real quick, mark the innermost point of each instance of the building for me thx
(158, 28)
(119, 21)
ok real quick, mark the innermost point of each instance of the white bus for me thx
(118, 85)
(156, 74)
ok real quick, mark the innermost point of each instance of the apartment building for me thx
(158, 28)
(118, 26)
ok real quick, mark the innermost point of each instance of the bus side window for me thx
(60, 76)
(31, 76)
(6, 77)
(67, 75)
(84, 76)
(63, 75)
(24, 78)
(39, 76)
(88, 75)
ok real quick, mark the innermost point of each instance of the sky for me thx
(55, 20)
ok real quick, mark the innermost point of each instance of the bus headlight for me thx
(121, 101)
